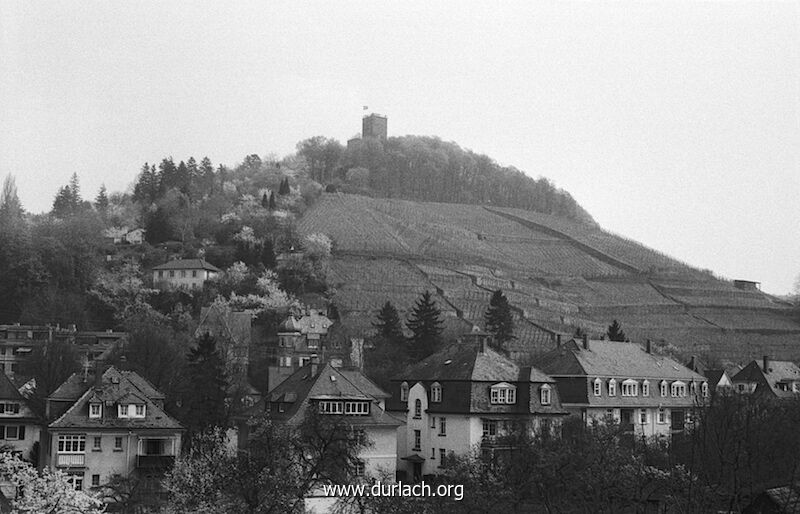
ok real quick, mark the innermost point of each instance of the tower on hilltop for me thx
(374, 125)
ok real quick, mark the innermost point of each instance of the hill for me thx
(558, 274)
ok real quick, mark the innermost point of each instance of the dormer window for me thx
(417, 408)
(130, 410)
(704, 389)
(663, 386)
(545, 395)
(630, 388)
(612, 387)
(9, 408)
(503, 393)
(598, 387)
(95, 410)
(646, 388)
(436, 392)
(404, 392)
(678, 389)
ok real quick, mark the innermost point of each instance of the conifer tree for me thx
(498, 318)
(268, 255)
(265, 201)
(425, 324)
(272, 201)
(207, 378)
(388, 325)
(615, 332)
(101, 202)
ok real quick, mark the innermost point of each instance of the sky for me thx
(673, 123)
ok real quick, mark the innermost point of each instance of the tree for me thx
(390, 353)
(615, 332)
(10, 206)
(101, 201)
(50, 364)
(206, 374)
(48, 492)
(284, 188)
(425, 324)
(271, 204)
(388, 326)
(498, 318)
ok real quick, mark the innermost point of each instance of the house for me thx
(110, 423)
(349, 394)
(186, 273)
(135, 236)
(650, 395)
(19, 424)
(115, 235)
(777, 500)
(777, 379)
(718, 379)
(464, 397)
(302, 339)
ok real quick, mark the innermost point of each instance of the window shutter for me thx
(2, 432)
(21, 433)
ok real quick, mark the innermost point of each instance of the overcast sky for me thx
(673, 123)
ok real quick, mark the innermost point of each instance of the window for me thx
(442, 426)
(693, 388)
(9, 408)
(139, 411)
(130, 410)
(171, 274)
(503, 393)
(544, 394)
(417, 440)
(12, 432)
(183, 273)
(96, 444)
(286, 362)
(118, 443)
(194, 273)
(404, 392)
(442, 457)
(357, 408)
(95, 410)
(417, 408)
(630, 388)
(71, 443)
(646, 388)
(359, 435)
(612, 387)
(433, 421)
(489, 428)
(597, 386)
(330, 407)
(95, 480)
(76, 481)
(122, 411)
(643, 416)
(433, 453)
(662, 416)
(359, 468)
(436, 392)
(704, 389)
(678, 389)
(663, 388)
(160, 274)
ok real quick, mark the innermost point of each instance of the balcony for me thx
(70, 460)
(154, 461)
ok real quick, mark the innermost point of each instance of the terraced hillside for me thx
(558, 275)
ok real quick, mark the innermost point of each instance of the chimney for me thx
(357, 352)
(97, 375)
(558, 340)
(650, 350)
(766, 364)
(585, 342)
(314, 365)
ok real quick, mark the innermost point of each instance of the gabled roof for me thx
(222, 322)
(329, 383)
(777, 372)
(115, 387)
(8, 390)
(188, 264)
(613, 359)
(466, 362)
(312, 323)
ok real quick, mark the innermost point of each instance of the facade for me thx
(17, 342)
(464, 397)
(135, 236)
(778, 379)
(375, 126)
(110, 424)
(649, 395)
(186, 273)
(19, 424)
(718, 379)
(301, 340)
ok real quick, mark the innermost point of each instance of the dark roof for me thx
(8, 391)
(777, 372)
(328, 383)
(116, 387)
(614, 360)
(187, 264)
(466, 362)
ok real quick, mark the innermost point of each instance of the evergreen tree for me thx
(64, 204)
(425, 324)
(272, 201)
(209, 385)
(284, 188)
(207, 174)
(268, 255)
(498, 318)
(10, 206)
(167, 175)
(265, 201)
(101, 202)
(615, 332)
(388, 325)
(182, 178)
